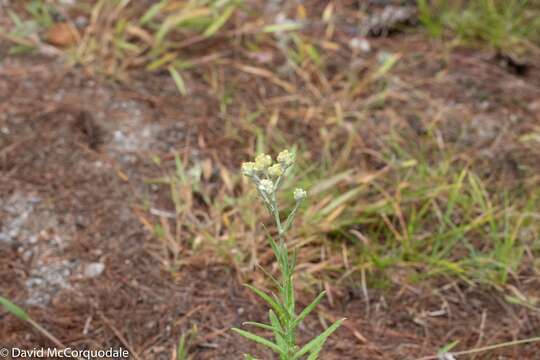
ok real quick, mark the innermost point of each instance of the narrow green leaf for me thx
(330, 183)
(278, 335)
(163, 60)
(219, 22)
(314, 354)
(263, 326)
(178, 81)
(273, 303)
(275, 321)
(180, 169)
(178, 19)
(20, 49)
(15, 18)
(340, 200)
(445, 349)
(308, 309)
(386, 66)
(318, 342)
(290, 298)
(291, 217)
(314, 54)
(152, 12)
(276, 249)
(13, 309)
(125, 45)
(181, 351)
(258, 339)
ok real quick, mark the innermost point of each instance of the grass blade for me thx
(178, 19)
(340, 200)
(152, 12)
(219, 22)
(386, 66)
(13, 309)
(181, 352)
(179, 82)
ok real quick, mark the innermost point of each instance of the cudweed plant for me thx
(283, 319)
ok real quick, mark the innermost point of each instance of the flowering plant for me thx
(284, 321)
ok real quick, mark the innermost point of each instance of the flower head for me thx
(299, 194)
(248, 168)
(266, 186)
(275, 170)
(262, 162)
(285, 158)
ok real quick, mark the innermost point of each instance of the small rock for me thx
(360, 43)
(93, 270)
(446, 356)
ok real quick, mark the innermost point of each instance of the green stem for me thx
(276, 216)
(286, 267)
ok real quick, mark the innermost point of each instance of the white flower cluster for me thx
(299, 194)
(266, 186)
(266, 174)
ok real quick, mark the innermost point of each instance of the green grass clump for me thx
(284, 321)
(505, 25)
(426, 211)
(21, 34)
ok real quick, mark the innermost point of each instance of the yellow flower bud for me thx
(275, 170)
(248, 168)
(262, 162)
(285, 158)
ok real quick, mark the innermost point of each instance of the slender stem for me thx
(286, 286)
(278, 181)
(47, 334)
(286, 267)
(276, 216)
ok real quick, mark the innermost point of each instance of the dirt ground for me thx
(75, 149)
